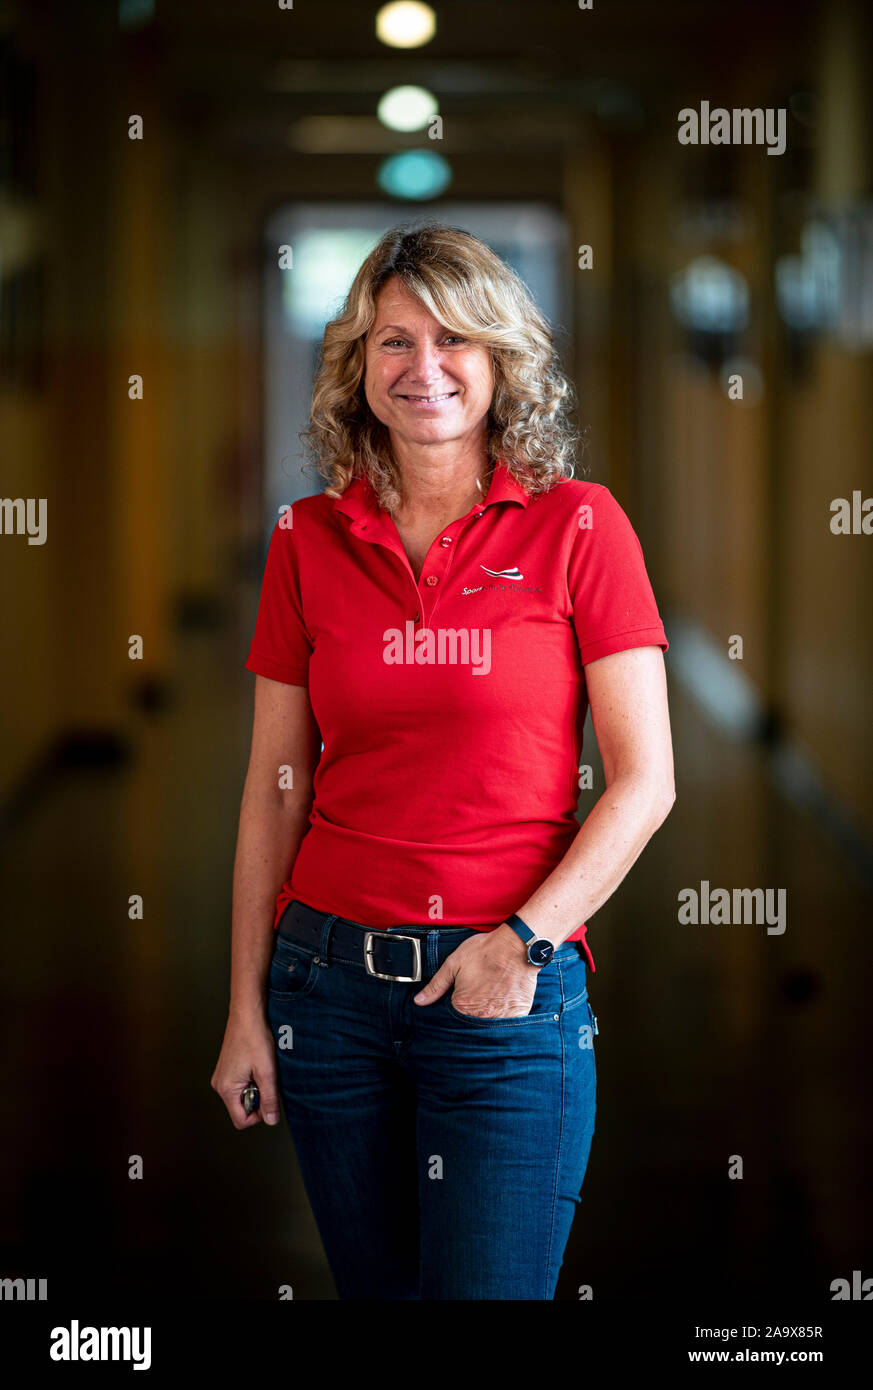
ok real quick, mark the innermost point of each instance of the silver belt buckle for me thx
(401, 979)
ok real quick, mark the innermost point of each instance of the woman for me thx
(441, 617)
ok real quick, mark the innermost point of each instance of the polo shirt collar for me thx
(359, 499)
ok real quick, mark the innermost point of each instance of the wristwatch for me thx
(539, 949)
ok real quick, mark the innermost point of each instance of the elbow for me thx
(664, 800)
(650, 792)
(267, 798)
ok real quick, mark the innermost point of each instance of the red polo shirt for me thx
(451, 710)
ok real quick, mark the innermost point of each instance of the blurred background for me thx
(159, 257)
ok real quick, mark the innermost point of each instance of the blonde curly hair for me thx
(472, 292)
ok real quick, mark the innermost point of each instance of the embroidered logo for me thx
(514, 573)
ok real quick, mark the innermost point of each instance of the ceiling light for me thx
(405, 24)
(415, 174)
(407, 108)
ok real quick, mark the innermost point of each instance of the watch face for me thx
(540, 952)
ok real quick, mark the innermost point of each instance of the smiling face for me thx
(426, 384)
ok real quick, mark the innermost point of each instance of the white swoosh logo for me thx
(514, 573)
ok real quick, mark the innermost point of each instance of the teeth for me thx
(444, 397)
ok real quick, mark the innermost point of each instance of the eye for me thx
(450, 338)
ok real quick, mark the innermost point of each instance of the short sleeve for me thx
(614, 607)
(281, 646)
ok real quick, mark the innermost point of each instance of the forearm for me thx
(612, 837)
(271, 827)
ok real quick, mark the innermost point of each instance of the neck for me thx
(430, 488)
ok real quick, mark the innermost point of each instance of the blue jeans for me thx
(443, 1155)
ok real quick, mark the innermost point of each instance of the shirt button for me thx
(445, 540)
(431, 580)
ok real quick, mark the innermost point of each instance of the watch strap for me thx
(520, 927)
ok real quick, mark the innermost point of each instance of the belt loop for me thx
(323, 945)
(433, 952)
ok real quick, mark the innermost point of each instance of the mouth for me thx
(428, 400)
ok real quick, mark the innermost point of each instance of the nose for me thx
(425, 368)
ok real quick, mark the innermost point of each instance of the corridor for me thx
(155, 376)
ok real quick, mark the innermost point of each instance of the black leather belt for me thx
(394, 955)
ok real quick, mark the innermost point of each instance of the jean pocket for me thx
(574, 982)
(545, 1006)
(540, 1016)
(294, 972)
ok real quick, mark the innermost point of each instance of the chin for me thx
(432, 436)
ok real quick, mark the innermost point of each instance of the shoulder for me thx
(587, 524)
(577, 506)
(314, 510)
(308, 516)
(568, 495)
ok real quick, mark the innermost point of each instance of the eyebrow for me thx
(398, 328)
